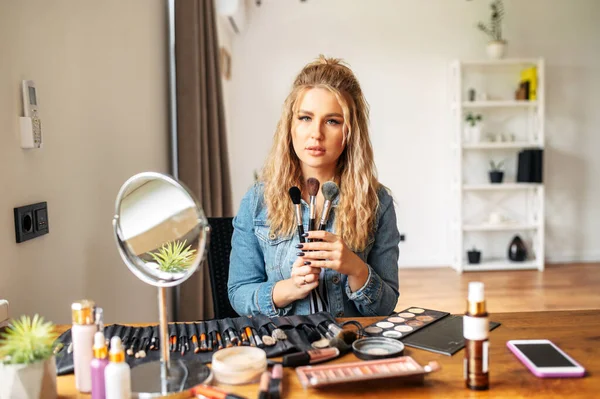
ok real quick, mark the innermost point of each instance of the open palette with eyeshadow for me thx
(404, 323)
(404, 367)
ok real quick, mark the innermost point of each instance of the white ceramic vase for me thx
(473, 133)
(28, 381)
(496, 49)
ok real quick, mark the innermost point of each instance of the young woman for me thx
(351, 267)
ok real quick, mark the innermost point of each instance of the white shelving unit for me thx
(476, 197)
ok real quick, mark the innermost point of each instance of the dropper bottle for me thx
(117, 375)
(476, 332)
(99, 363)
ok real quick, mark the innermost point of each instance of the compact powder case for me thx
(373, 348)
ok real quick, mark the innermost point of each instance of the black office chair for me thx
(219, 250)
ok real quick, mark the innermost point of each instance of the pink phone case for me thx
(542, 374)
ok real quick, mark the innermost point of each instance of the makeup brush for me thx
(312, 334)
(276, 332)
(312, 185)
(330, 192)
(296, 196)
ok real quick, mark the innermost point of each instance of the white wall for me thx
(101, 74)
(400, 51)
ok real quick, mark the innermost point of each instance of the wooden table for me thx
(576, 332)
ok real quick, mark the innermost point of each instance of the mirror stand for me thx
(161, 233)
(165, 376)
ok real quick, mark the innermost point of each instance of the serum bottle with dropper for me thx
(99, 363)
(476, 331)
(117, 374)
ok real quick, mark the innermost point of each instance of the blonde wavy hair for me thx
(355, 172)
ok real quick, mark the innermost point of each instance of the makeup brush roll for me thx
(199, 340)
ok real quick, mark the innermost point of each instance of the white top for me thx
(476, 292)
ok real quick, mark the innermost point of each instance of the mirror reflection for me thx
(161, 230)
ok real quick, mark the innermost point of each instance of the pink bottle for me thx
(97, 365)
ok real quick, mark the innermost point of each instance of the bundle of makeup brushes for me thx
(330, 192)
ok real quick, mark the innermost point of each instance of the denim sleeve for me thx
(379, 295)
(248, 289)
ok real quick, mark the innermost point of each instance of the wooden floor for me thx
(558, 287)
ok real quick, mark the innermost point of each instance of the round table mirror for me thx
(162, 234)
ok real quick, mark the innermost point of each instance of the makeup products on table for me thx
(372, 348)
(476, 333)
(263, 387)
(117, 374)
(239, 364)
(343, 373)
(310, 357)
(97, 366)
(404, 323)
(444, 337)
(82, 336)
(276, 383)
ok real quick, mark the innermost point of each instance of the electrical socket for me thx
(31, 221)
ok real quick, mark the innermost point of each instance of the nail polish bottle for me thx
(99, 363)
(476, 332)
(82, 336)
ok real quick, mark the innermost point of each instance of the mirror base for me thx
(149, 380)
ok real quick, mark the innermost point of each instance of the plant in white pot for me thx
(27, 364)
(473, 127)
(496, 47)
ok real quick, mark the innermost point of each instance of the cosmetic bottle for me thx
(476, 331)
(98, 365)
(82, 336)
(117, 374)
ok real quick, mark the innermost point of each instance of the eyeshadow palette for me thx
(404, 323)
(343, 373)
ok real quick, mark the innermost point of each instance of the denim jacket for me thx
(259, 259)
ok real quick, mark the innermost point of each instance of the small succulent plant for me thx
(27, 340)
(172, 257)
(472, 119)
(496, 166)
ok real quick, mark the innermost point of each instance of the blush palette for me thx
(326, 375)
(404, 323)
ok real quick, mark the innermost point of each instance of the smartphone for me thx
(544, 359)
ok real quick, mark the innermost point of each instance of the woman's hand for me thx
(333, 253)
(303, 280)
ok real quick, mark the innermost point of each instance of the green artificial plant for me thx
(494, 29)
(473, 119)
(27, 340)
(496, 167)
(172, 257)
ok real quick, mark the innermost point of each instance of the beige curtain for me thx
(202, 147)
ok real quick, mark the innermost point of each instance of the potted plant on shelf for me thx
(496, 172)
(474, 256)
(473, 128)
(27, 364)
(496, 47)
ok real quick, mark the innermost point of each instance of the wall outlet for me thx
(31, 221)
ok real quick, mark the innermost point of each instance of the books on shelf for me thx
(528, 84)
(530, 166)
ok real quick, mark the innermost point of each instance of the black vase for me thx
(474, 257)
(517, 251)
(496, 176)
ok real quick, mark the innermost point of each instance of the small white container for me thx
(239, 365)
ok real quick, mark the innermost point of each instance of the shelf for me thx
(502, 62)
(503, 264)
(499, 227)
(500, 186)
(499, 104)
(500, 146)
